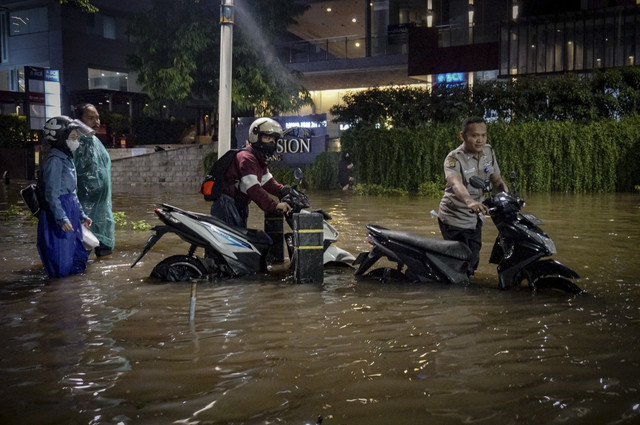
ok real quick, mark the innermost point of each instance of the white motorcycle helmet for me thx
(264, 126)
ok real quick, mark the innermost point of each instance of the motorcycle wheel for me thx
(554, 282)
(179, 268)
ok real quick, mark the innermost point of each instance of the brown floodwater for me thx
(113, 346)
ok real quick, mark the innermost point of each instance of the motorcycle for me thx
(230, 251)
(520, 250)
(418, 258)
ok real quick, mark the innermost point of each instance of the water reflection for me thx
(113, 346)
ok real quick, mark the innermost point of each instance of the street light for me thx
(224, 98)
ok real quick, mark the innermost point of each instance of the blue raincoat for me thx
(62, 253)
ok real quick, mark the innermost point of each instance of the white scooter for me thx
(230, 251)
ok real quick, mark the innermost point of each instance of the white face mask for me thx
(73, 144)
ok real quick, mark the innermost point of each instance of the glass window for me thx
(4, 81)
(609, 43)
(109, 27)
(4, 36)
(29, 21)
(504, 51)
(579, 46)
(558, 48)
(103, 26)
(103, 79)
(549, 46)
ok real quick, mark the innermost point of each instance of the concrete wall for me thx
(177, 168)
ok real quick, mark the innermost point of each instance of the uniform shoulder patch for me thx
(451, 162)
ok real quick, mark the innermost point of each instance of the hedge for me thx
(548, 156)
(13, 130)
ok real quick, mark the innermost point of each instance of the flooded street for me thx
(113, 346)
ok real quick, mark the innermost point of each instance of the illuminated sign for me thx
(43, 94)
(451, 78)
(306, 138)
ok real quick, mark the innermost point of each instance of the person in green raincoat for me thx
(93, 166)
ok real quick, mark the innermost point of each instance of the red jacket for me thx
(250, 176)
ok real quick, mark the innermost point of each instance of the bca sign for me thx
(306, 137)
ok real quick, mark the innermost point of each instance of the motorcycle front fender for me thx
(550, 267)
(335, 255)
(365, 260)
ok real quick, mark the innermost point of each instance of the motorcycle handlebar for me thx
(296, 199)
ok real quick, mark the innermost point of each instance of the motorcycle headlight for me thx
(548, 243)
(543, 240)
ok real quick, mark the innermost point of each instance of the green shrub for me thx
(158, 131)
(116, 123)
(120, 218)
(614, 92)
(549, 156)
(323, 175)
(430, 190)
(284, 175)
(140, 225)
(13, 130)
(378, 190)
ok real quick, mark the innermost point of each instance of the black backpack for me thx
(33, 196)
(213, 184)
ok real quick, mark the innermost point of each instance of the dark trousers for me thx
(103, 250)
(471, 237)
(233, 212)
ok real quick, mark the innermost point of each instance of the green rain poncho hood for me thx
(93, 166)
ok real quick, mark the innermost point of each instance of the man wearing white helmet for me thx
(248, 178)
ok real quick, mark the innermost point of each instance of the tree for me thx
(82, 4)
(178, 51)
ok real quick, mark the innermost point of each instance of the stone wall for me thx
(178, 168)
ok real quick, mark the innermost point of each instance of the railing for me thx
(346, 47)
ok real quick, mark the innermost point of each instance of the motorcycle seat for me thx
(253, 236)
(454, 249)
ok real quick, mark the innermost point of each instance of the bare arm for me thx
(461, 192)
(498, 184)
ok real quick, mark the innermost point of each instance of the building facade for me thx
(337, 45)
(88, 49)
(346, 45)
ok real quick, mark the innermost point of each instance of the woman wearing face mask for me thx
(59, 227)
(248, 178)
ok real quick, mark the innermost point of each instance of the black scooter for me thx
(519, 251)
(418, 258)
(522, 247)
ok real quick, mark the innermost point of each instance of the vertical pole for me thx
(224, 99)
(274, 227)
(367, 28)
(192, 302)
(308, 241)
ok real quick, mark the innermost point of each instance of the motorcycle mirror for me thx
(513, 176)
(297, 173)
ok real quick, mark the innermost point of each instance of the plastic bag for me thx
(89, 240)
